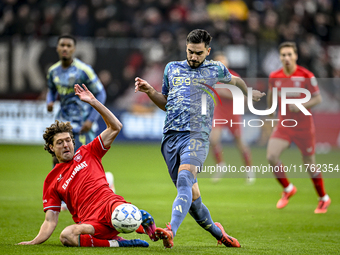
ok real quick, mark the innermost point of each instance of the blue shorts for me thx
(185, 147)
(82, 139)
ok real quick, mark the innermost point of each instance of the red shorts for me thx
(304, 139)
(103, 228)
(235, 129)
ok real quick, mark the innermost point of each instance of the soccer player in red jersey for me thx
(225, 111)
(79, 180)
(303, 134)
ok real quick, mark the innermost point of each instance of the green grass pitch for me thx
(247, 212)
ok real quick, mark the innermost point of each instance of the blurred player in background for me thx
(79, 180)
(61, 78)
(303, 135)
(225, 111)
(185, 142)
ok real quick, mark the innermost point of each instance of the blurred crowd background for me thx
(247, 31)
(123, 39)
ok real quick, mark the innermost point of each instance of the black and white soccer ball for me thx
(126, 218)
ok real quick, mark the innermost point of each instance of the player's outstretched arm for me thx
(113, 125)
(158, 98)
(46, 229)
(237, 81)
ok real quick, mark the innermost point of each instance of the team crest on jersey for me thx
(278, 83)
(78, 157)
(72, 80)
(205, 72)
(60, 178)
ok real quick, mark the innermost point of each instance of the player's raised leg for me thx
(324, 199)
(181, 205)
(147, 226)
(202, 216)
(274, 149)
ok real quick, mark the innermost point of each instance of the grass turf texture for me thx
(246, 212)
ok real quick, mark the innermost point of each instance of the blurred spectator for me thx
(158, 29)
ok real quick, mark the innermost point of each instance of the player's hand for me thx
(142, 85)
(83, 93)
(26, 243)
(293, 108)
(86, 126)
(257, 95)
(50, 106)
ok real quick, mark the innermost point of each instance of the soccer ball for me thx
(126, 218)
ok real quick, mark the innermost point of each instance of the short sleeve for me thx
(312, 84)
(51, 200)
(165, 83)
(223, 73)
(97, 147)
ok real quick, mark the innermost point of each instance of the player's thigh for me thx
(215, 135)
(275, 148)
(193, 153)
(305, 141)
(170, 152)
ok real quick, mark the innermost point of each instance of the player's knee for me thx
(272, 158)
(185, 179)
(67, 237)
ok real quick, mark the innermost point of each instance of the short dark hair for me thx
(288, 44)
(68, 37)
(56, 128)
(199, 36)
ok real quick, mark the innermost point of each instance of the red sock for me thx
(140, 230)
(217, 151)
(90, 241)
(318, 184)
(246, 157)
(281, 176)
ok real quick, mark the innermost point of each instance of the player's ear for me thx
(51, 147)
(209, 49)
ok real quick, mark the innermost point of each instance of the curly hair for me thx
(199, 36)
(56, 128)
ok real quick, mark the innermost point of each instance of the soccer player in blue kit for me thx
(61, 78)
(185, 142)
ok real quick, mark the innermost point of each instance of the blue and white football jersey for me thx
(61, 82)
(184, 87)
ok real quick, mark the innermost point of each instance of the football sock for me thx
(318, 184)
(324, 198)
(289, 188)
(182, 202)
(281, 176)
(110, 180)
(217, 152)
(202, 216)
(90, 241)
(246, 157)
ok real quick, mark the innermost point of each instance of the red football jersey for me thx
(80, 183)
(301, 78)
(224, 110)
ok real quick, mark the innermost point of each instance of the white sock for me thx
(289, 188)
(113, 243)
(110, 180)
(324, 198)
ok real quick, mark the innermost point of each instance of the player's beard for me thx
(196, 63)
